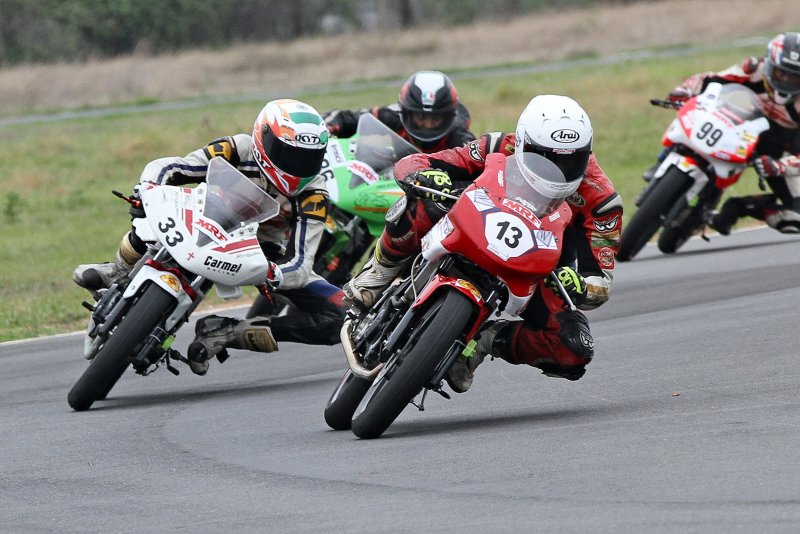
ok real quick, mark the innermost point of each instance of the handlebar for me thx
(563, 291)
(405, 186)
(434, 191)
(667, 104)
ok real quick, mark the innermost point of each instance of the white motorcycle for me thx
(708, 146)
(197, 237)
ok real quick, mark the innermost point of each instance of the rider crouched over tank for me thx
(550, 336)
(283, 156)
(775, 78)
(428, 114)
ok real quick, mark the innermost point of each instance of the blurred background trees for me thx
(41, 31)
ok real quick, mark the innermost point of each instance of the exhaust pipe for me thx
(347, 344)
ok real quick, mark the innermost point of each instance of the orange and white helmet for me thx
(289, 142)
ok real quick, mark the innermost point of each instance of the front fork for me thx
(114, 304)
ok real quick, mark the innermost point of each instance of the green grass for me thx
(55, 178)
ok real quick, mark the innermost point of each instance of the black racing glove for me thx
(768, 167)
(573, 283)
(333, 121)
(679, 95)
(136, 210)
(431, 179)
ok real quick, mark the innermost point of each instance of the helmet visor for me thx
(294, 160)
(782, 80)
(427, 126)
(571, 162)
(537, 182)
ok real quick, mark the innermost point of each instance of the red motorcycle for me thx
(498, 242)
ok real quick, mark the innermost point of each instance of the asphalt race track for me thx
(688, 420)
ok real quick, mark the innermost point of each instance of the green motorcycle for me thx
(359, 178)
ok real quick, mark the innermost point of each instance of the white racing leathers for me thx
(291, 239)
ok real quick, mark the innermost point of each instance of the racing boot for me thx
(462, 371)
(368, 285)
(215, 334)
(784, 221)
(755, 206)
(95, 276)
(723, 220)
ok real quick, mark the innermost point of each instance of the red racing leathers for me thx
(550, 335)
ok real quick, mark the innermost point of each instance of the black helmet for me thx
(782, 67)
(428, 103)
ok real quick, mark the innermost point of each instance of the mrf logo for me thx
(212, 229)
(522, 210)
(565, 136)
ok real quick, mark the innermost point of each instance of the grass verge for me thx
(57, 211)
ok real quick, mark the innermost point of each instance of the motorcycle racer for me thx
(283, 156)
(775, 77)
(550, 336)
(428, 114)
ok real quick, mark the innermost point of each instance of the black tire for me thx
(647, 220)
(112, 382)
(344, 400)
(404, 377)
(683, 220)
(112, 359)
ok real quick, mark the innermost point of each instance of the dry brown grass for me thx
(270, 68)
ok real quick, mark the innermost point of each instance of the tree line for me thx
(40, 31)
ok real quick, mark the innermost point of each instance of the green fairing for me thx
(358, 176)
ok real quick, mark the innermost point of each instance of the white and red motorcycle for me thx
(197, 237)
(708, 146)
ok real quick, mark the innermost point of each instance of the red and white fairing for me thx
(722, 126)
(210, 230)
(500, 234)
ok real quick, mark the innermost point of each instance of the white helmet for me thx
(557, 128)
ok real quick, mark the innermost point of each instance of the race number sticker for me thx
(507, 235)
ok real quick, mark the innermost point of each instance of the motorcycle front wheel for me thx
(344, 400)
(647, 220)
(111, 361)
(405, 375)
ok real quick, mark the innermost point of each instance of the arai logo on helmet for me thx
(565, 136)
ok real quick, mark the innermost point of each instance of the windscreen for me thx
(740, 101)
(232, 200)
(378, 147)
(536, 182)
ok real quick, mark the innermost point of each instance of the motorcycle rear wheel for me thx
(672, 238)
(344, 400)
(685, 220)
(647, 220)
(404, 377)
(111, 361)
